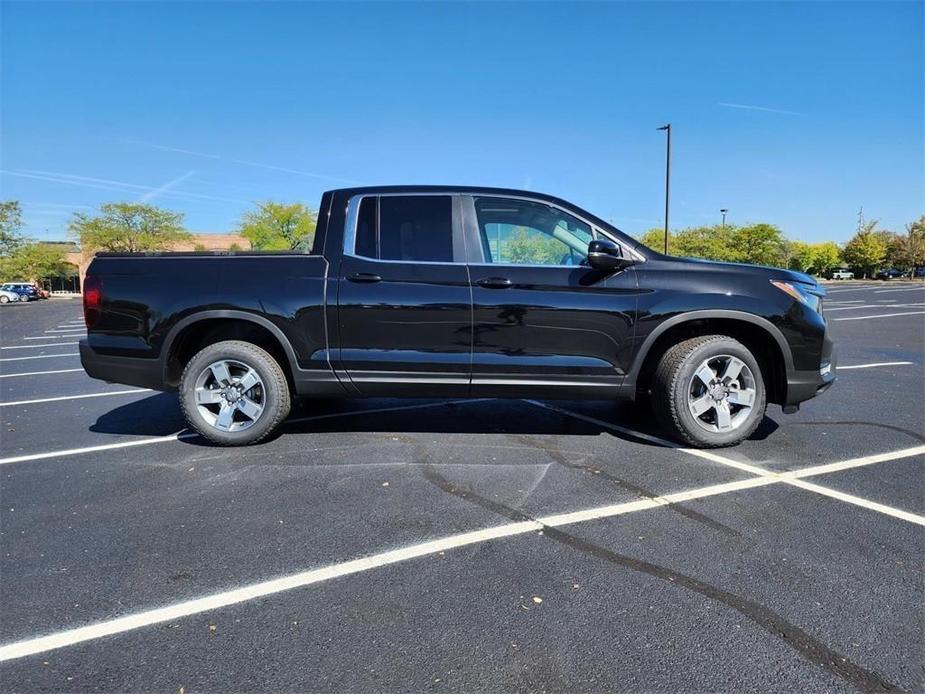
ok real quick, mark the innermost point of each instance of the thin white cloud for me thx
(151, 194)
(108, 184)
(243, 162)
(749, 107)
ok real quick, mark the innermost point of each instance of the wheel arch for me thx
(194, 332)
(774, 355)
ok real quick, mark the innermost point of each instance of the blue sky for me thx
(791, 113)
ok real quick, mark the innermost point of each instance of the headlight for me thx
(801, 294)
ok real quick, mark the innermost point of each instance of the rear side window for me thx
(406, 227)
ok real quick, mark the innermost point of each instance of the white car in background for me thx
(8, 297)
(842, 275)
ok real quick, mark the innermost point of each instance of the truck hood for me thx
(772, 273)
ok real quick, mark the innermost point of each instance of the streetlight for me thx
(667, 129)
(723, 212)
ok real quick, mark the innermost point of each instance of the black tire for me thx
(675, 385)
(273, 393)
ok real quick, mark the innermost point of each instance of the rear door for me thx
(545, 324)
(404, 303)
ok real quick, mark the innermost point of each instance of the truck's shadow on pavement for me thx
(159, 415)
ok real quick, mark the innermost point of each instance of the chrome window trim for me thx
(353, 209)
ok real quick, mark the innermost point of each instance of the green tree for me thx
(527, 248)
(275, 226)
(802, 256)
(129, 227)
(655, 239)
(710, 242)
(760, 244)
(826, 257)
(814, 258)
(865, 252)
(34, 262)
(895, 246)
(10, 226)
(914, 243)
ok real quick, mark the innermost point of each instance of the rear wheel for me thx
(234, 393)
(4, 299)
(709, 392)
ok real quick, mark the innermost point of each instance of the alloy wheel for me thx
(722, 393)
(230, 395)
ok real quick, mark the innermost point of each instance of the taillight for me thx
(93, 300)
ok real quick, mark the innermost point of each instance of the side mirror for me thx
(604, 254)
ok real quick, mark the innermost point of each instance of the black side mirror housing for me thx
(605, 255)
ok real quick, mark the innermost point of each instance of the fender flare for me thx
(232, 314)
(688, 316)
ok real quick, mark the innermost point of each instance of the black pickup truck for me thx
(427, 291)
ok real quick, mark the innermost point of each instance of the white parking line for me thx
(761, 472)
(854, 308)
(853, 289)
(188, 434)
(40, 373)
(910, 289)
(67, 330)
(882, 315)
(254, 591)
(871, 366)
(74, 397)
(859, 501)
(49, 337)
(53, 344)
(95, 449)
(41, 356)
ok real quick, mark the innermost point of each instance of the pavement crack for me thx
(560, 459)
(810, 648)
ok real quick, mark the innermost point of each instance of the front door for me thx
(544, 323)
(404, 305)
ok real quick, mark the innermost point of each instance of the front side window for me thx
(406, 227)
(522, 232)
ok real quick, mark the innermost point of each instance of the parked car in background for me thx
(8, 297)
(26, 291)
(890, 274)
(842, 275)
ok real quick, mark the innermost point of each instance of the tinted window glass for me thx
(416, 227)
(521, 232)
(366, 243)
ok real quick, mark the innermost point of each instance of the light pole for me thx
(667, 129)
(723, 212)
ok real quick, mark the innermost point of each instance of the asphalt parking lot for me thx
(484, 545)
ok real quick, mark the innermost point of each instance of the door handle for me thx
(364, 277)
(495, 282)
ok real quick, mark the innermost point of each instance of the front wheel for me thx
(234, 393)
(709, 392)
(4, 299)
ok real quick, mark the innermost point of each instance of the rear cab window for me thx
(406, 228)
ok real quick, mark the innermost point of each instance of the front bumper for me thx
(803, 385)
(131, 371)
